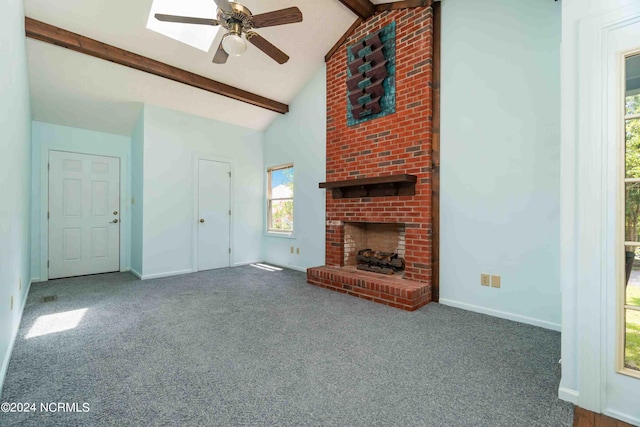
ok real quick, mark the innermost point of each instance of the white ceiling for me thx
(73, 89)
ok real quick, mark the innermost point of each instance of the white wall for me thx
(15, 161)
(300, 137)
(137, 193)
(172, 142)
(500, 158)
(46, 137)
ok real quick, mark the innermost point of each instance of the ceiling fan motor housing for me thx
(241, 15)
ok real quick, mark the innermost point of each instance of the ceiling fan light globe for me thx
(234, 45)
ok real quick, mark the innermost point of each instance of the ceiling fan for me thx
(239, 20)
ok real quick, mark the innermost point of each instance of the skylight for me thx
(199, 36)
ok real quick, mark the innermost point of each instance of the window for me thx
(280, 199)
(631, 304)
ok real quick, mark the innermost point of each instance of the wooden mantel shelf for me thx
(390, 185)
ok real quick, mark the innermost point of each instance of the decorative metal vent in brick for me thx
(371, 76)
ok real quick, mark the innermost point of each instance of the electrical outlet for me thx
(495, 281)
(11, 306)
(297, 251)
(291, 249)
(484, 279)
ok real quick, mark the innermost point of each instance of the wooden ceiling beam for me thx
(406, 4)
(363, 8)
(50, 34)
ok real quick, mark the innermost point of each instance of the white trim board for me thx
(568, 395)
(243, 263)
(289, 267)
(159, 275)
(502, 314)
(622, 417)
(14, 334)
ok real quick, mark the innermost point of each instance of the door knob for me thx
(201, 220)
(115, 212)
(115, 221)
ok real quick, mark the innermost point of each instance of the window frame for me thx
(622, 306)
(270, 200)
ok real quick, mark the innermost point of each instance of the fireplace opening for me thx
(376, 247)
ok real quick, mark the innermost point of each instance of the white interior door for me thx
(84, 214)
(214, 214)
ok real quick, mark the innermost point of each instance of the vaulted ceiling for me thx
(74, 89)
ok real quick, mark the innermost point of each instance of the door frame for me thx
(195, 229)
(125, 211)
(590, 218)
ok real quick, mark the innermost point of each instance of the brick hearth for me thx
(391, 291)
(399, 143)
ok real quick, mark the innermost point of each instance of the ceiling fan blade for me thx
(261, 43)
(185, 19)
(221, 56)
(277, 17)
(224, 5)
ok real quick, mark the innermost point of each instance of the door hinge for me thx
(229, 250)
(229, 174)
(48, 166)
(47, 215)
(229, 211)
(47, 263)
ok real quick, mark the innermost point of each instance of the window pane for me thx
(632, 85)
(282, 183)
(632, 340)
(632, 148)
(632, 288)
(281, 215)
(632, 212)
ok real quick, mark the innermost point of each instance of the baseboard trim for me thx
(167, 274)
(293, 267)
(14, 334)
(35, 279)
(135, 273)
(243, 263)
(622, 417)
(275, 264)
(501, 314)
(290, 267)
(568, 394)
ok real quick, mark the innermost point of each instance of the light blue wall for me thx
(137, 178)
(47, 137)
(172, 143)
(300, 137)
(500, 158)
(15, 178)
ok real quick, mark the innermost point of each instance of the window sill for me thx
(629, 372)
(280, 235)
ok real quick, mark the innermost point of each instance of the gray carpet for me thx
(245, 346)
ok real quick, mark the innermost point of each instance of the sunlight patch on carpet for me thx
(57, 322)
(266, 267)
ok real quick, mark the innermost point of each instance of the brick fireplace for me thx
(393, 145)
(386, 237)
